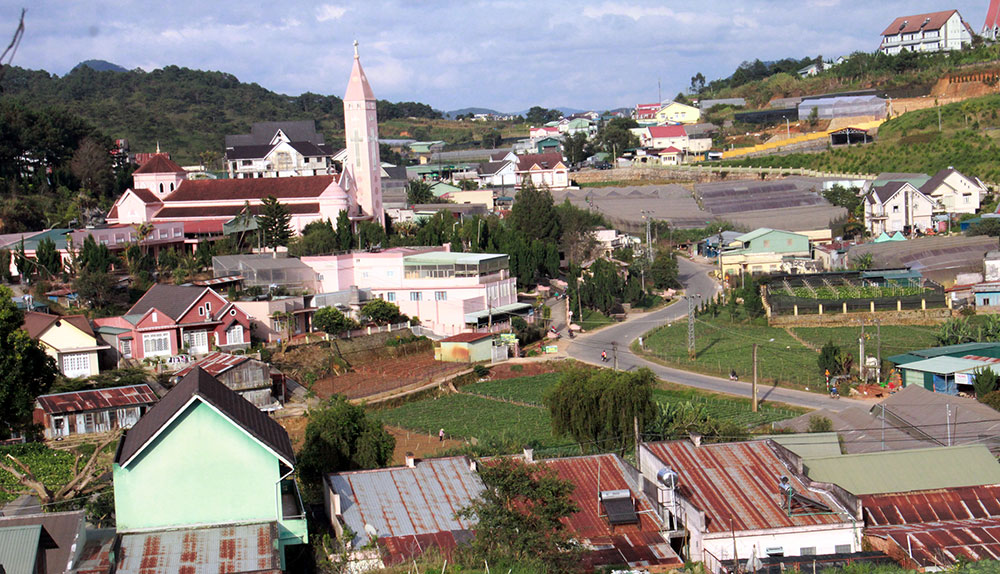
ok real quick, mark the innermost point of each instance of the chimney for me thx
(695, 439)
(529, 455)
(410, 461)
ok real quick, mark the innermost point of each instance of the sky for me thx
(506, 55)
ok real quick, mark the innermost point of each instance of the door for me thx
(197, 342)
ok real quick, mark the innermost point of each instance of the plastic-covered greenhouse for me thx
(843, 107)
(265, 270)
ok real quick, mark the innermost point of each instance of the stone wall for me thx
(835, 318)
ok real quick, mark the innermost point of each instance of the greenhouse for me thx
(843, 107)
(855, 291)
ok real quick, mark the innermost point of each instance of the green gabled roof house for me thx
(764, 250)
(204, 457)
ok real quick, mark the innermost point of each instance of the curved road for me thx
(694, 276)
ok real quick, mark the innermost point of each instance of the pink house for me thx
(449, 292)
(169, 320)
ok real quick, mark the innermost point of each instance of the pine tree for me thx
(275, 223)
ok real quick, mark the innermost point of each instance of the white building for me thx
(897, 206)
(954, 192)
(743, 498)
(278, 149)
(543, 170)
(933, 32)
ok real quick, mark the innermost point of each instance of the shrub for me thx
(481, 370)
(820, 424)
(992, 400)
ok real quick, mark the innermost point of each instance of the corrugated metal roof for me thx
(403, 501)
(19, 548)
(97, 399)
(218, 550)
(638, 544)
(907, 470)
(215, 364)
(736, 485)
(809, 445)
(941, 418)
(931, 505)
(450, 258)
(944, 365)
(943, 543)
(65, 529)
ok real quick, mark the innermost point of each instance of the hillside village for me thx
(681, 337)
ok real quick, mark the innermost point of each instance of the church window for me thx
(161, 188)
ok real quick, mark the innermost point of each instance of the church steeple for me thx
(361, 129)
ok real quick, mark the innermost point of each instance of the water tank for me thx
(667, 477)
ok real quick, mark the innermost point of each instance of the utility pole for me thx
(691, 351)
(614, 350)
(878, 349)
(648, 216)
(489, 306)
(754, 403)
(861, 353)
(635, 428)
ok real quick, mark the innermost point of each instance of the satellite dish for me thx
(371, 530)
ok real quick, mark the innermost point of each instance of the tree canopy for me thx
(341, 436)
(533, 213)
(331, 320)
(26, 371)
(275, 223)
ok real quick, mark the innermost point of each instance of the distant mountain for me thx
(454, 113)
(101, 66)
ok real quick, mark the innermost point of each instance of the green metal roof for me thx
(906, 470)
(903, 359)
(19, 548)
(945, 365)
(501, 310)
(31, 241)
(109, 330)
(809, 445)
(440, 188)
(449, 258)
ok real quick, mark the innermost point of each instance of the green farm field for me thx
(786, 357)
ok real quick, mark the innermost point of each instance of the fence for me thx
(352, 334)
(779, 171)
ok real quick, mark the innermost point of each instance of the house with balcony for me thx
(932, 32)
(69, 340)
(646, 113)
(174, 319)
(766, 251)
(663, 137)
(898, 206)
(207, 464)
(278, 149)
(542, 170)
(954, 192)
(451, 293)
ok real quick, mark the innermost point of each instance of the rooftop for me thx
(937, 544)
(216, 550)
(97, 399)
(215, 364)
(63, 527)
(944, 365)
(467, 337)
(406, 502)
(450, 258)
(907, 470)
(960, 503)
(736, 485)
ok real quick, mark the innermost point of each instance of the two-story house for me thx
(663, 137)
(765, 251)
(646, 113)
(278, 149)
(69, 340)
(954, 192)
(677, 113)
(207, 462)
(933, 32)
(173, 319)
(543, 170)
(897, 206)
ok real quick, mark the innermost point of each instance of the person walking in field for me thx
(441, 435)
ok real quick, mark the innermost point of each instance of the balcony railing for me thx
(291, 502)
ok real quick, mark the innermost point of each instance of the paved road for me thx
(694, 276)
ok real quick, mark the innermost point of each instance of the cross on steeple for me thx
(355, 49)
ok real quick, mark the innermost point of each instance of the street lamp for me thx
(788, 128)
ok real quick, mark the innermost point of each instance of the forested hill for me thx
(187, 111)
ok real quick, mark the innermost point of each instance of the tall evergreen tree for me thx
(275, 223)
(345, 233)
(533, 213)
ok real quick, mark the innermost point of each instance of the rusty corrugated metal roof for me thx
(217, 550)
(944, 543)
(98, 399)
(959, 503)
(639, 544)
(399, 549)
(215, 364)
(403, 501)
(736, 485)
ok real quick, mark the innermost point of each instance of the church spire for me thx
(361, 130)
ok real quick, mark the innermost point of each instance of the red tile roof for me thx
(543, 160)
(176, 212)
(159, 163)
(467, 337)
(251, 189)
(736, 485)
(911, 24)
(37, 323)
(932, 505)
(98, 399)
(638, 544)
(145, 195)
(667, 131)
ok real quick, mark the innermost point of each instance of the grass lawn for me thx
(722, 345)
(593, 319)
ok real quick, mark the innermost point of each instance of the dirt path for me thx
(803, 342)
(422, 445)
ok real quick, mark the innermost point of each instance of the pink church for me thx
(162, 193)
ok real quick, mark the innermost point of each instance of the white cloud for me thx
(328, 12)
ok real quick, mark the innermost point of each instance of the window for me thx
(895, 209)
(234, 335)
(842, 549)
(208, 306)
(127, 348)
(390, 296)
(807, 551)
(390, 273)
(416, 296)
(76, 365)
(767, 243)
(440, 295)
(154, 344)
(247, 162)
(201, 311)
